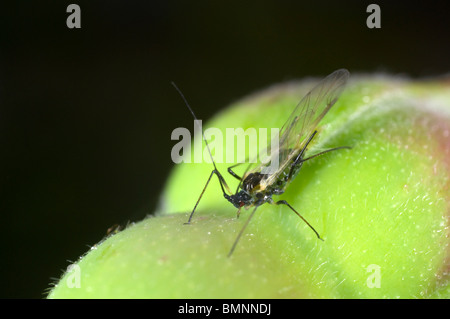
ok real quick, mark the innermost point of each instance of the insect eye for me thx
(241, 204)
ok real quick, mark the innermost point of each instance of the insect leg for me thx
(222, 183)
(236, 175)
(241, 232)
(299, 157)
(283, 202)
(326, 151)
(233, 173)
(238, 213)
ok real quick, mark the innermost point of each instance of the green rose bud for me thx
(381, 207)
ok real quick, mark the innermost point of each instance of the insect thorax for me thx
(259, 193)
(252, 183)
(256, 190)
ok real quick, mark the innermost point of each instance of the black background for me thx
(86, 114)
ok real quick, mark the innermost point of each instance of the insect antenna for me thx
(215, 171)
(196, 119)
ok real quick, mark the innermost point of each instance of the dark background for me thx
(86, 114)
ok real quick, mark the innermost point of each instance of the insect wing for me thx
(311, 109)
(303, 121)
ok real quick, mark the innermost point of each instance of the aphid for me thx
(257, 186)
(114, 229)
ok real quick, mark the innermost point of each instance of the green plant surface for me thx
(381, 207)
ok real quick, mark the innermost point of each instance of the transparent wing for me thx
(302, 123)
(311, 109)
